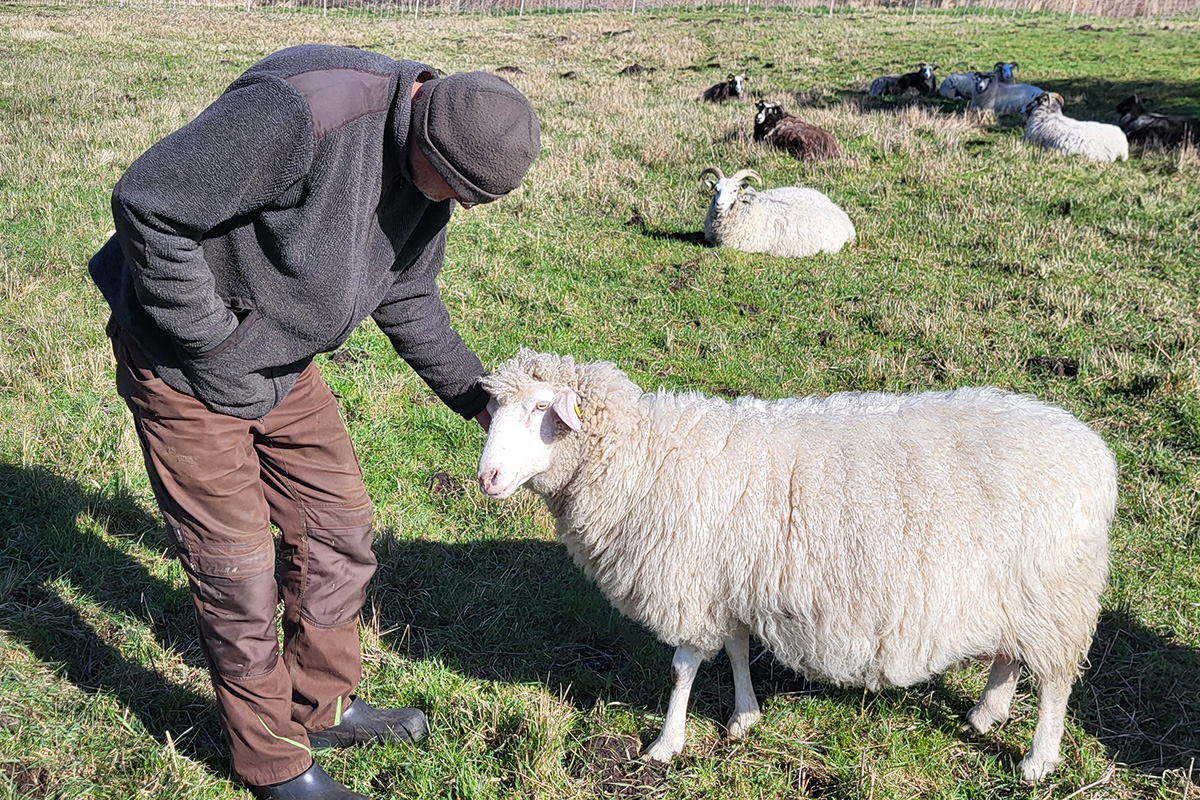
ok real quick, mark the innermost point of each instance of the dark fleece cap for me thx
(478, 132)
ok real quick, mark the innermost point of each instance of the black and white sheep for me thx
(961, 85)
(990, 94)
(788, 221)
(921, 81)
(1144, 128)
(865, 539)
(1047, 127)
(733, 88)
(779, 129)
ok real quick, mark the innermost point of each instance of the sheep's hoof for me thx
(740, 724)
(1034, 769)
(660, 751)
(982, 718)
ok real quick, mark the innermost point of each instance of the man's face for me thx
(427, 179)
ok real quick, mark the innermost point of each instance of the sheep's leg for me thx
(997, 696)
(684, 665)
(1043, 755)
(745, 705)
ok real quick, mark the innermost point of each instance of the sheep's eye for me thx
(542, 405)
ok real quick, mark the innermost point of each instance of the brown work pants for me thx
(220, 482)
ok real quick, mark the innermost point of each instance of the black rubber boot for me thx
(362, 724)
(312, 784)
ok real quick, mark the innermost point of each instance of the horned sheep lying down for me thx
(788, 221)
(1047, 127)
(865, 539)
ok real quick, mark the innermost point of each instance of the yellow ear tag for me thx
(577, 410)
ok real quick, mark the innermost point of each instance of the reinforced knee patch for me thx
(235, 596)
(340, 564)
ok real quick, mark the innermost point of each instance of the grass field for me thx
(978, 261)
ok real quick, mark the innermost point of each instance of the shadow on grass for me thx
(44, 544)
(1085, 98)
(1094, 98)
(519, 611)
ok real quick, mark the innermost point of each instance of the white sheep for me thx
(1002, 98)
(1047, 127)
(788, 221)
(865, 539)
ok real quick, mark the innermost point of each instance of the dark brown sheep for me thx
(780, 129)
(1164, 130)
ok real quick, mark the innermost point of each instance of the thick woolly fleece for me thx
(268, 228)
(788, 221)
(1096, 141)
(866, 539)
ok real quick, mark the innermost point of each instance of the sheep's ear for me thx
(566, 406)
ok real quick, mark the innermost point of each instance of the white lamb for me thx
(788, 221)
(1002, 98)
(1046, 126)
(866, 539)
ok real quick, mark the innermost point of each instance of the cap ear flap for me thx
(566, 406)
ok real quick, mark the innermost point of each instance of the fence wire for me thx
(1093, 8)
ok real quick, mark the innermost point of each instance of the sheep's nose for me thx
(487, 478)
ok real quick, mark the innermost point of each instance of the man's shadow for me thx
(56, 537)
(503, 609)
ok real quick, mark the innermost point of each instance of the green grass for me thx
(976, 256)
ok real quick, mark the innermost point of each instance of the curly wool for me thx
(866, 539)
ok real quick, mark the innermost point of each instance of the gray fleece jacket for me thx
(265, 230)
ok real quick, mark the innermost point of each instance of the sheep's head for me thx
(1131, 105)
(1051, 102)
(983, 82)
(544, 408)
(737, 84)
(729, 190)
(1004, 71)
(768, 113)
(533, 403)
(926, 70)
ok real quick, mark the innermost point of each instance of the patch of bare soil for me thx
(610, 764)
(34, 783)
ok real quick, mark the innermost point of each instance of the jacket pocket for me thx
(247, 315)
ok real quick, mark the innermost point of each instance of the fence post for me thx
(914, 8)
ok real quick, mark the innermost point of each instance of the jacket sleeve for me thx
(240, 155)
(416, 320)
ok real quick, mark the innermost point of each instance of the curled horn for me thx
(1058, 97)
(743, 174)
(711, 171)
